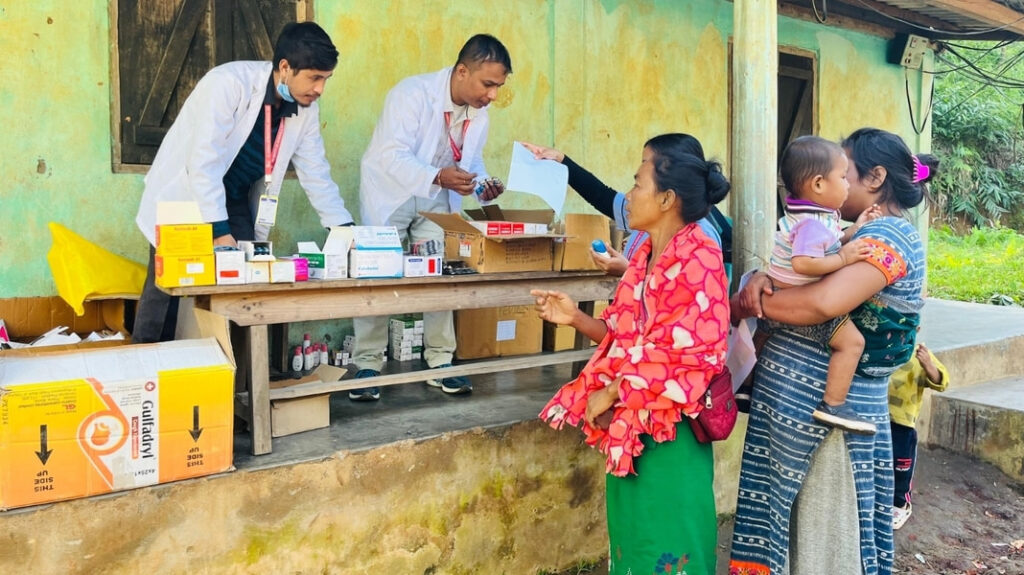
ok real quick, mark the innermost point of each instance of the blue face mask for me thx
(285, 93)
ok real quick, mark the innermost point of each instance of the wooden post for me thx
(754, 132)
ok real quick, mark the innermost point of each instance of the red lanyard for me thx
(270, 156)
(456, 150)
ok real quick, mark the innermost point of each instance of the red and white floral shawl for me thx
(665, 354)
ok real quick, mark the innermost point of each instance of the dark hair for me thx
(306, 47)
(679, 165)
(484, 48)
(871, 147)
(804, 158)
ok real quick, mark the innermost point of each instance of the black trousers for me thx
(156, 317)
(904, 456)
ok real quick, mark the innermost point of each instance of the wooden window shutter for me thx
(164, 47)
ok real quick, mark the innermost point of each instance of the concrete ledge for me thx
(985, 421)
(513, 500)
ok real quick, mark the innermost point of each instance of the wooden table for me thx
(254, 307)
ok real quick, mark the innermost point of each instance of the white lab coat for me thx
(208, 133)
(397, 164)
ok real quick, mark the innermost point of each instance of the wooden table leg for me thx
(259, 389)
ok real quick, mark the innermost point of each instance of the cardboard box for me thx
(230, 266)
(282, 271)
(301, 268)
(257, 272)
(175, 271)
(487, 254)
(563, 337)
(376, 253)
(288, 416)
(28, 317)
(573, 253)
(330, 263)
(421, 266)
(498, 331)
(257, 251)
(184, 239)
(78, 423)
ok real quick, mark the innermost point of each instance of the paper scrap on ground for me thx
(546, 179)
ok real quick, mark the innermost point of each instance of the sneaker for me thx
(365, 393)
(843, 417)
(452, 385)
(900, 516)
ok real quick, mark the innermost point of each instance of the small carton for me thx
(180, 271)
(289, 416)
(497, 331)
(184, 239)
(580, 230)
(301, 268)
(257, 251)
(376, 253)
(497, 253)
(282, 271)
(257, 272)
(331, 263)
(230, 266)
(422, 266)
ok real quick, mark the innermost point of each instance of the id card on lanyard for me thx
(456, 150)
(266, 213)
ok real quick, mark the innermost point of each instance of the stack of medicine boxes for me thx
(184, 255)
(406, 337)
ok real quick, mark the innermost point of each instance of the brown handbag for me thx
(716, 420)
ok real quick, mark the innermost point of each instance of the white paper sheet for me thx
(545, 179)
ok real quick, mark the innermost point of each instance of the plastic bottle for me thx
(297, 361)
(307, 358)
(306, 343)
(599, 248)
(324, 355)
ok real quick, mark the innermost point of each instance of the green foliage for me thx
(986, 265)
(978, 136)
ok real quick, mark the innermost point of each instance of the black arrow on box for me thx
(196, 431)
(43, 453)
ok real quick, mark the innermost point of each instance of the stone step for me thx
(985, 421)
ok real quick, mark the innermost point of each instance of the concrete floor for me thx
(415, 411)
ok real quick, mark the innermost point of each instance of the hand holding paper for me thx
(545, 179)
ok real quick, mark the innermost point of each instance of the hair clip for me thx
(921, 171)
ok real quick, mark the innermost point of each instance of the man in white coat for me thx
(216, 155)
(425, 154)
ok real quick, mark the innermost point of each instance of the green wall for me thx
(594, 78)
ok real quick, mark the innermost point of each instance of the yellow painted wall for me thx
(595, 78)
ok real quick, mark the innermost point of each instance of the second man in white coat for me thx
(425, 154)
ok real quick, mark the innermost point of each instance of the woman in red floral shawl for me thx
(662, 339)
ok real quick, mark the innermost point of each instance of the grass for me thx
(985, 265)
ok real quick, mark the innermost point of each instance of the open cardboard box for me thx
(288, 416)
(580, 230)
(496, 253)
(75, 423)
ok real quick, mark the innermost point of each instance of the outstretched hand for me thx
(554, 306)
(544, 153)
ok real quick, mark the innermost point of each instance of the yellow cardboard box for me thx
(84, 422)
(563, 337)
(184, 239)
(497, 331)
(175, 271)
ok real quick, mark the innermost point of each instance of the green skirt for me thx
(662, 520)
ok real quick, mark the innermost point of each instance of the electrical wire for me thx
(925, 114)
(824, 8)
(934, 30)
